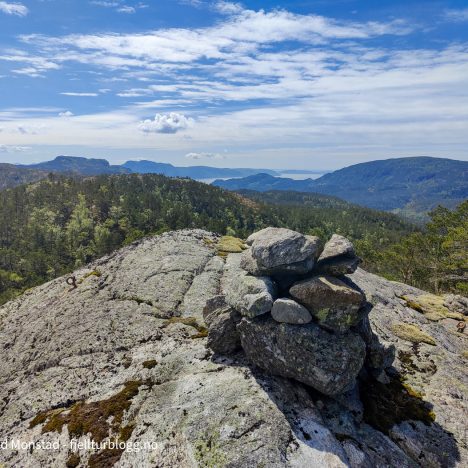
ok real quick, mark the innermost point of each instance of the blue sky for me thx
(314, 84)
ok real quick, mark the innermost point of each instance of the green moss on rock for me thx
(412, 333)
(191, 322)
(431, 306)
(97, 273)
(229, 244)
(150, 364)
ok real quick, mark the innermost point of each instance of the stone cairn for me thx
(288, 304)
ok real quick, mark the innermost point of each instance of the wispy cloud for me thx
(79, 94)
(17, 9)
(119, 5)
(205, 156)
(36, 65)
(276, 82)
(456, 16)
(126, 9)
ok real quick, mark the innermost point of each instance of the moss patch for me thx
(322, 314)
(191, 322)
(387, 405)
(96, 273)
(100, 419)
(149, 364)
(229, 244)
(431, 306)
(73, 461)
(412, 333)
(202, 334)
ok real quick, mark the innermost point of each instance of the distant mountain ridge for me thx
(78, 165)
(409, 186)
(92, 166)
(194, 172)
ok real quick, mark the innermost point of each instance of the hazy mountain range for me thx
(406, 185)
(85, 166)
(410, 186)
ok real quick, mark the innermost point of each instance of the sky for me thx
(304, 84)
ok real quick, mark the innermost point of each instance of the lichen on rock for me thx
(410, 332)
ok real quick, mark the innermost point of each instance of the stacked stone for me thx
(292, 310)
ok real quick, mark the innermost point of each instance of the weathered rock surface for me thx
(337, 246)
(223, 337)
(437, 372)
(338, 257)
(289, 311)
(456, 303)
(336, 305)
(278, 251)
(327, 362)
(250, 295)
(59, 347)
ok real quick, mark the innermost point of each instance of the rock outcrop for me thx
(124, 357)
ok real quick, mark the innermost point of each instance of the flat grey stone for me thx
(289, 311)
(278, 250)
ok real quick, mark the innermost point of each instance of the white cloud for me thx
(106, 4)
(80, 94)
(126, 9)
(270, 81)
(243, 33)
(135, 92)
(456, 16)
(66, 114)
(166, 123)
(17, 9)
(204, 156)
(228, 8)
(37, 65)
(119, 6)
(13, 149)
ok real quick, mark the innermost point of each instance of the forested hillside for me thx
(52, 226)
(323, 215)
(408, 186)
(11, 175)
(435, 259)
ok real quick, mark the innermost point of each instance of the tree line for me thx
(53, 226)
